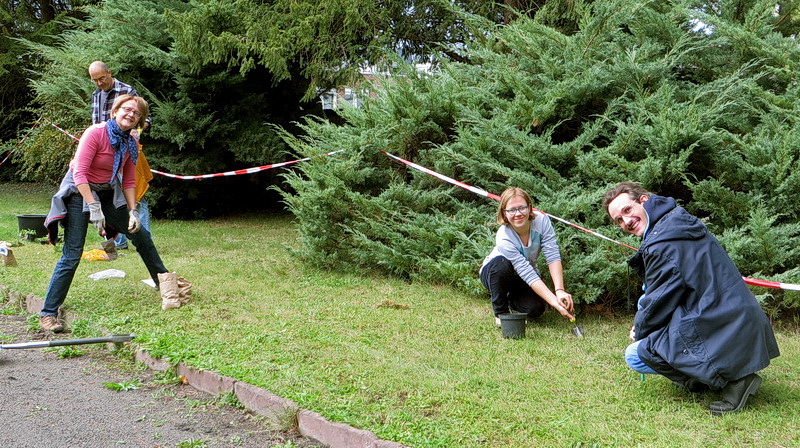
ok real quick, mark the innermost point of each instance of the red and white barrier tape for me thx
(62, 131)
(749, 281)
(476, 190)
(252, 170)
(244, 171)
(771, 284)
(36, 123)
(496, 197)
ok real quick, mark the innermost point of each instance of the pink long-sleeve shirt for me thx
(94, 159)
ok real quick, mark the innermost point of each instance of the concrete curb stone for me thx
(264, 402)
(331, 434)
(205, 380)
(259, 401)
(157, 364)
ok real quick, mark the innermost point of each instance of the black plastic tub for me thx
(32, 226)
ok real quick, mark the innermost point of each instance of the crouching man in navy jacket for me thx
(698, 323)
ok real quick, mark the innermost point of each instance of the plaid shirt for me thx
(102, 112)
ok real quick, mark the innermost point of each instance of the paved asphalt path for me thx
(55, 402)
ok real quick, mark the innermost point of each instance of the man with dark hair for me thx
(698, 324)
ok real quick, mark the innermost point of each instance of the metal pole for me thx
(117, 338)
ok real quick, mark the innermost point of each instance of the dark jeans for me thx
(509, 290)
(121, 241)
(75, 225)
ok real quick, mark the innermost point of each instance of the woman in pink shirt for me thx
(99, 187)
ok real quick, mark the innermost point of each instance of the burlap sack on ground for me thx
(7, 254)
(175, 290)
(184, 290)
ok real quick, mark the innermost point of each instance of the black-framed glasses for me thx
(514, 211)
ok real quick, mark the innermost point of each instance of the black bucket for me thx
(32, 226)
(513, 325)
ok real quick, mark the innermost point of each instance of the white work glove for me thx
(134, 223)
(96, 217)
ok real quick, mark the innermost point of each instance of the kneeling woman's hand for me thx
(564, 304)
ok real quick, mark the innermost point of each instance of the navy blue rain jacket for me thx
(699, 319)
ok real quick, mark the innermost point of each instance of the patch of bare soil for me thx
(48, 399)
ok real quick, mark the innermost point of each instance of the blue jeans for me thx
(633, 360)
(144, 215)
(75, 223)
(632, 351)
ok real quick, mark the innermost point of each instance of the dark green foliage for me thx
(704, 111)
(220, 75)
(696, 100)
(324, 42)
(205, 119)
(35, 21)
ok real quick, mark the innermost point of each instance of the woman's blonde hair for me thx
(141, 104)
(508, 194)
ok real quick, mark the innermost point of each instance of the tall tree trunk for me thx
(48, 11)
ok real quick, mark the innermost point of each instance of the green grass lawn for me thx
(419, 364)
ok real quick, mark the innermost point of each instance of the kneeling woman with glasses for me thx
(509, 271)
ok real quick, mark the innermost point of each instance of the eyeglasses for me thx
(129, 110)
(514, 211)
(100, 79)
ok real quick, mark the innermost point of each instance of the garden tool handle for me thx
(117, 338)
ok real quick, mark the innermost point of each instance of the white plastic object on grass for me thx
(108, 273)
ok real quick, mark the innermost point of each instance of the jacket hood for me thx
(658, 206)
(668, 221)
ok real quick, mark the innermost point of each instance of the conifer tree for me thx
(694, 100)
(35, 21)
(220, 75)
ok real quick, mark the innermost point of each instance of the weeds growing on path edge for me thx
(430, 371)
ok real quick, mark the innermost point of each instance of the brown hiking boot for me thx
(51, 323)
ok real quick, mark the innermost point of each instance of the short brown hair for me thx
(508, 194)
(632, 189)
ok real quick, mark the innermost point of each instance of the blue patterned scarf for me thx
(122, 142)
